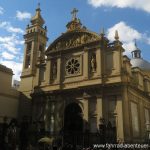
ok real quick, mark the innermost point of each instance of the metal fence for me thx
(87, 139)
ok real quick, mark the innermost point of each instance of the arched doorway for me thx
(73, 123)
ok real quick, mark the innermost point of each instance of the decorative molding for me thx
(73, 39)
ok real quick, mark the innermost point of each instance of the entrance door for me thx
(73, 124)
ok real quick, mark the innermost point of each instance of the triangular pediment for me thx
(73, 39)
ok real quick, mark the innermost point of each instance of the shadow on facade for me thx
(73, 128)
(77, 130)
(24, 108)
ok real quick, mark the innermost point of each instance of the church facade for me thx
(82, 80)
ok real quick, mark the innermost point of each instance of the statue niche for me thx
(93, 63)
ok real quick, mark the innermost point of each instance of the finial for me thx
(116, 35)
(74, 13)
(135, 44)
(38, 7)
(102, 32)
(137, 52)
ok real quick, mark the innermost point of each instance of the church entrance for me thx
(73, 124)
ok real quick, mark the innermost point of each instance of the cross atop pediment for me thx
(74, 13)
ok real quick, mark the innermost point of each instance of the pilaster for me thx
(48, 72)
(142, 120)
(99, 109)
(99, 64)
(126, 116)
(86, 107)
(58, 70)
(86, 63)
(119, 119)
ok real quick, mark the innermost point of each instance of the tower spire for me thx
(37, 19)
(116, 35)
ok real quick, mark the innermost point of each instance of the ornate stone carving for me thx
(73, 40)
(73, 66)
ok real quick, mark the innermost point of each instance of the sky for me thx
(130, 17)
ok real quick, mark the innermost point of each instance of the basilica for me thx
(82, 84)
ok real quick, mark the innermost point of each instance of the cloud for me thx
(16, 67)
(15, 30)
(1, 10)
(127, 35)
(10, 48)
(10, 43)
(8, 27)
(23, 15)
(136, 4)
(7, 55)
(10, 53)
(3, 24)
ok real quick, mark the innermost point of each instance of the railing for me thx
(87, 139)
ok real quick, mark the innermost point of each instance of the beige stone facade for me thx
(9, 97)
(83, 72)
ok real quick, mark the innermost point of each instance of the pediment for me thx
(73, 39)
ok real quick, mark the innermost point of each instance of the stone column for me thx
(86, 106)
(59, 114)
(93, 115)
(48, 72)
(126, 116)
(86, 111)
(119, 119)
(98, 62)
(52, 117)
(58, 70)
(99, 109)
(46, 115)
(33, 57)
(86, 63)
(142, 120)
(49, 114)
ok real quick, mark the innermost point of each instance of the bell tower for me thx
(34, 51)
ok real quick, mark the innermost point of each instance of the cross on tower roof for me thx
(38, 7)
(74, 13)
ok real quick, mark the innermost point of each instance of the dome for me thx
(138, 61)
(141, 63)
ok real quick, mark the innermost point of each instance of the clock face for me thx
(73, 66)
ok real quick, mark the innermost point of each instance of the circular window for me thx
(72, 66)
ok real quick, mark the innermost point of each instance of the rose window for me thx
(73, 66)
